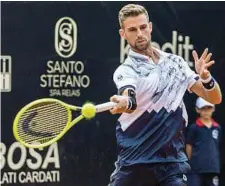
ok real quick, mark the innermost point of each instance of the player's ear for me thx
(150, 25)
(197, 110)
(122, 33)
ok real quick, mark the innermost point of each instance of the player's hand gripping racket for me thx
(44, 121)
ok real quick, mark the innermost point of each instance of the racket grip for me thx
(105, 106)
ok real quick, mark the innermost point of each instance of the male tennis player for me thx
(151, 85)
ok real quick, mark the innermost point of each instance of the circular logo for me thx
(119, 77)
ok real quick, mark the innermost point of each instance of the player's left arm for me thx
(206, 87)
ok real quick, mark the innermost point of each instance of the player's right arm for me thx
(125, 79)
(126, 102)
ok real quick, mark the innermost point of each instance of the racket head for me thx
(42, 122)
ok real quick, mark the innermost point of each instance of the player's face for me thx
(206, 112)
(137, 31)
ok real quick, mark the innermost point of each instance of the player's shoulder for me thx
(126, 67)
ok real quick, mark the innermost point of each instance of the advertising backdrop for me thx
(69, 51)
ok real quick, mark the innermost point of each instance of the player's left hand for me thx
(203, 63)
(121, 106)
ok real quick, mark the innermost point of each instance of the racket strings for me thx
(42, 122)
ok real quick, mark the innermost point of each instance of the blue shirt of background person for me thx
(202, 146)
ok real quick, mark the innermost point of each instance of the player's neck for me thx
(206, 121)
(150, 52)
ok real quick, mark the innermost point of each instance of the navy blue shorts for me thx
(158, 174)
(204, 179)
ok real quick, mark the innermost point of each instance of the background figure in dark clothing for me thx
(203, 147)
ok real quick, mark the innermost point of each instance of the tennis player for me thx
(151, 85)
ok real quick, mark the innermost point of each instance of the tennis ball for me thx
(88, 110)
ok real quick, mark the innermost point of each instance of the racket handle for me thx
(105, 106)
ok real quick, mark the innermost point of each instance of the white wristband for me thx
(206, 80)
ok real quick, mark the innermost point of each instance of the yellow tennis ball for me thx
(88, 110)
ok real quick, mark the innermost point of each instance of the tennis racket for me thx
(45, 121)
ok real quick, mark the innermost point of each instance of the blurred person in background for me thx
(202, 147)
